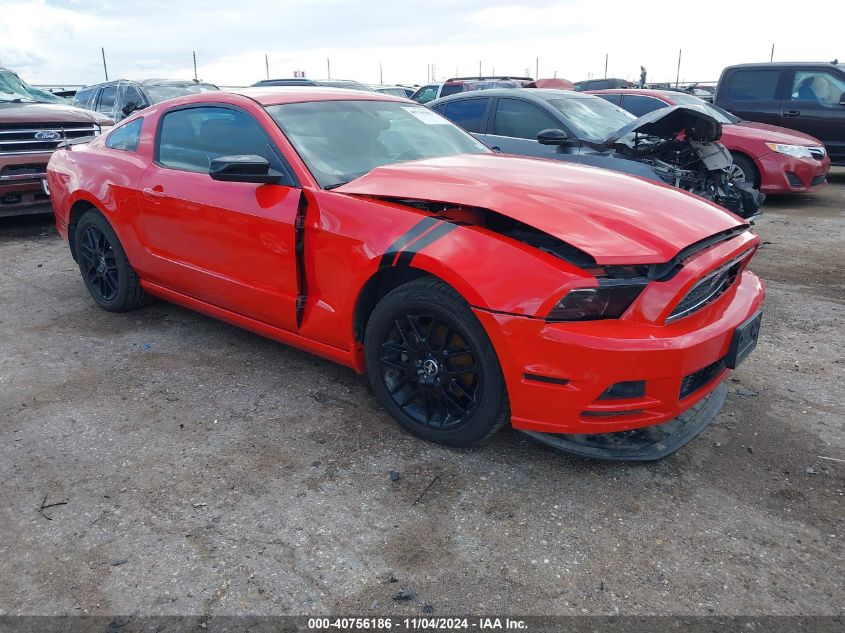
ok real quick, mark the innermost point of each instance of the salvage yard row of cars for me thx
(782, 124)
(596, 300)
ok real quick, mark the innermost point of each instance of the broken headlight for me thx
(796, 151)
(608, 300)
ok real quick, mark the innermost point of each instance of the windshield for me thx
(592, 118)
(13, 88)
(722, 116)
(342, 140)
(163, 92)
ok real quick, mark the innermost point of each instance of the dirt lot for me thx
(208, 470)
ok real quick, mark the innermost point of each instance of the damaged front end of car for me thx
(681, 144)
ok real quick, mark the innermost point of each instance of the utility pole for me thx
(105, 70)
(266, 66)
(380, 74)
(328, 69)
(678, 76)
(479, 69)
(606, 56)
(434, 72)
(537, 68)
(772, 56)
(195, 65)
(428, 73)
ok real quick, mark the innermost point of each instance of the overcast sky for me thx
(58, 41)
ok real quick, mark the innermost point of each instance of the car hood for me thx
(766, 133)
(49, 113)
(615, 218)
(669, 122)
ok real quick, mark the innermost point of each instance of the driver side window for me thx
(520, 119)
(816, 86)
(190, 138)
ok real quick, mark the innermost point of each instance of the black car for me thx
(120, 98)
(808, 97)
(580, 128)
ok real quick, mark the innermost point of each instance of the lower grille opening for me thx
(609, 414)
(794, 180)
(698, 379)
(624, 390)
(817, 180)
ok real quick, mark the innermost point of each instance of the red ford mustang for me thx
(598, 311)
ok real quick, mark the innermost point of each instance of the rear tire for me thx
(112, 282)
(433, 367)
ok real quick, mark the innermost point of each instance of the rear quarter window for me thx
(126, 137)
(470, 114)
(753, 85)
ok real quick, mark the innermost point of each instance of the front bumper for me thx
(21, 192)
(784, 174)
(646, 444)
(556, 372)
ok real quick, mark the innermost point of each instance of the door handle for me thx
(791, 113)
(154, 193)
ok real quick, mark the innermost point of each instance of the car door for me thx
(754, 95)
(812, 106)
(514, 128)
(230, 244)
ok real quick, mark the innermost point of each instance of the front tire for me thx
(744, 170)
(433, 367)
(112, 282)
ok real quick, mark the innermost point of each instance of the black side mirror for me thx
(552, 137)
(243, 168)
(129, 108)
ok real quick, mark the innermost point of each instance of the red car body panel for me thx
(750, 138)
(229, 250)
(617, 220)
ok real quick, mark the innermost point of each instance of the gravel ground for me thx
(205, 470)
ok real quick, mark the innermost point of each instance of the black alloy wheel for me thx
(98, 264)
(430, 370)
(433, 367)
(108, 275)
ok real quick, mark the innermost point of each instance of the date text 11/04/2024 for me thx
(416, 624)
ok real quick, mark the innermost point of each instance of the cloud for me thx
(58, 41)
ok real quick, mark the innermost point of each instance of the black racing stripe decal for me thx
(428, 239)
(403, 240)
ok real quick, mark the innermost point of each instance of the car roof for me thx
(646, 92)
(149, 82)
(773, 65)
(531, 94)
(277, 95)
